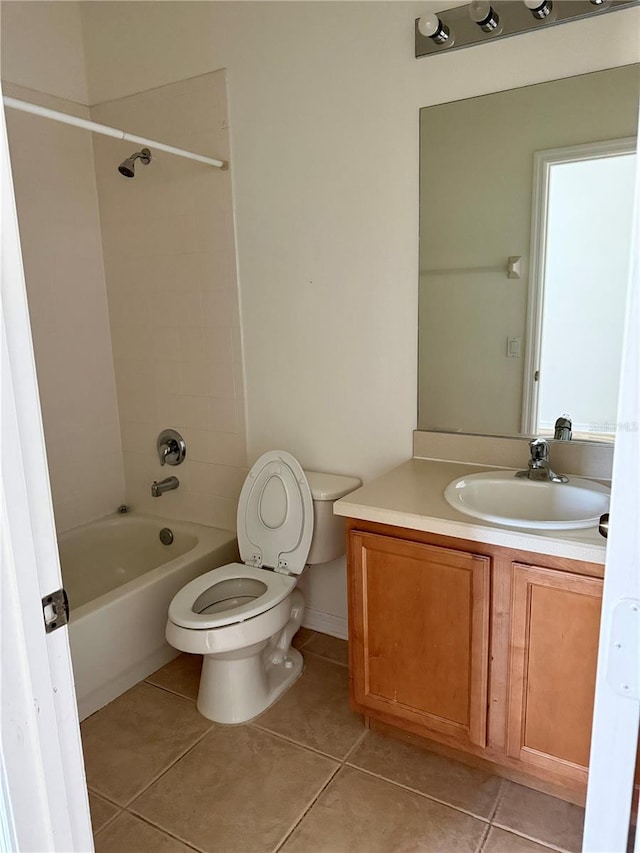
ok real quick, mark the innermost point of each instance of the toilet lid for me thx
(275, 514)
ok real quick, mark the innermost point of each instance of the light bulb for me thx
(539, 8)
(484, 15)
(432, 27)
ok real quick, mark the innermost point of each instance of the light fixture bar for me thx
(505, 18)
(105, 130)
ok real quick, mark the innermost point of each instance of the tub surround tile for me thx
(449, 781)
(540, 817)
(181, 676)
(362, 814)
(136, 737)
(101, 810)
(129, 834)
(315, 711)
(328, 647)
(499, 841)
(239, 789)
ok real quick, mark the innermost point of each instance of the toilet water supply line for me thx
(105, 130)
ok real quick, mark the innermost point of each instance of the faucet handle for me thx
(171, 447)
(539, 448)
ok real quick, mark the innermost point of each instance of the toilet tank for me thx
(328, 540)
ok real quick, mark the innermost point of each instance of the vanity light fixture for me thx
(486, 20)
(484, 15)
(539, 10)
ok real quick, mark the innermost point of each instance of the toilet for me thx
(243, 616)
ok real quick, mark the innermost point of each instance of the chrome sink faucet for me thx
(539, 467)
(563, 429)
(166, 485)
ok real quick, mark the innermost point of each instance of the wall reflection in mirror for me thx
(525, 229)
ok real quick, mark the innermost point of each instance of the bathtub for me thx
(120, 579)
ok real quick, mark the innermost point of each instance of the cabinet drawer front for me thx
(422, 653)
(552, 671)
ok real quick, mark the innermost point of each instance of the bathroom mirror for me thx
(525, 227)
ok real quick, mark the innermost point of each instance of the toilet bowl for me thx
(243, 616)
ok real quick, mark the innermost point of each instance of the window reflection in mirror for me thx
(507, 356)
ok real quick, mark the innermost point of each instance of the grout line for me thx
(483, 839)
(169, 690)
(308, 640)
(324, 657)
(296, 743)
(355, 746)
(166, 769)
(107, 823)
(420, 793)
(545, 844)
(306, 810)
(501, 795)
(162, 829)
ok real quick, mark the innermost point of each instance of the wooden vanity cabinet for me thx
(478, 648)
(555, 623)
(420, 642)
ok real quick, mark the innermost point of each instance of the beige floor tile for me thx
(101, 811)
(360, 814)
(499, 841)
(181, 675)
(134, 738)
(302, 637)
(541, 817)
(450, 781)
(240, 789)
(129, 834)
(329, 647)
(315, 711)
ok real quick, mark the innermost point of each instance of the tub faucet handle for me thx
(171, 447)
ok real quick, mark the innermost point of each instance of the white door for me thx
(43, 796)
(617, 706)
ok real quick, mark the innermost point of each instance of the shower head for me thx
(127, 167)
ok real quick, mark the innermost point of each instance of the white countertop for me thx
(412, 496)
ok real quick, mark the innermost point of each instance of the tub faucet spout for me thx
(158, 488)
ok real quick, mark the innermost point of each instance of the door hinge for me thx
(55, 610)
(536, 376)
(623, 673)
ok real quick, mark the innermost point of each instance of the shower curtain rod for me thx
(105, 130)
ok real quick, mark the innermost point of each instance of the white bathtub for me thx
(120, 579)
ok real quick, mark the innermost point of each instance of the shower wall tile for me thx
(169, 253)
(54, 178)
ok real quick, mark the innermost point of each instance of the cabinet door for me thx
(552, 672)
(419, 629)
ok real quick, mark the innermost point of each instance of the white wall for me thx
(57, 204)
(43, 49)
(169, 255)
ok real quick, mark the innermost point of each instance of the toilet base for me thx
(235, 691)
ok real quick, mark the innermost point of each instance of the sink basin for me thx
(503, 498)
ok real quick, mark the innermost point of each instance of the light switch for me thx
(514, 347)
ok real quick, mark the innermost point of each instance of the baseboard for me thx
(326, 623)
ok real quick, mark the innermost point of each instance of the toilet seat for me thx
(275, 527)
(275, 514)
(276, 588)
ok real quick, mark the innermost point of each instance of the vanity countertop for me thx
(412, 496)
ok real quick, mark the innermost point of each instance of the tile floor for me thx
(305, 777)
